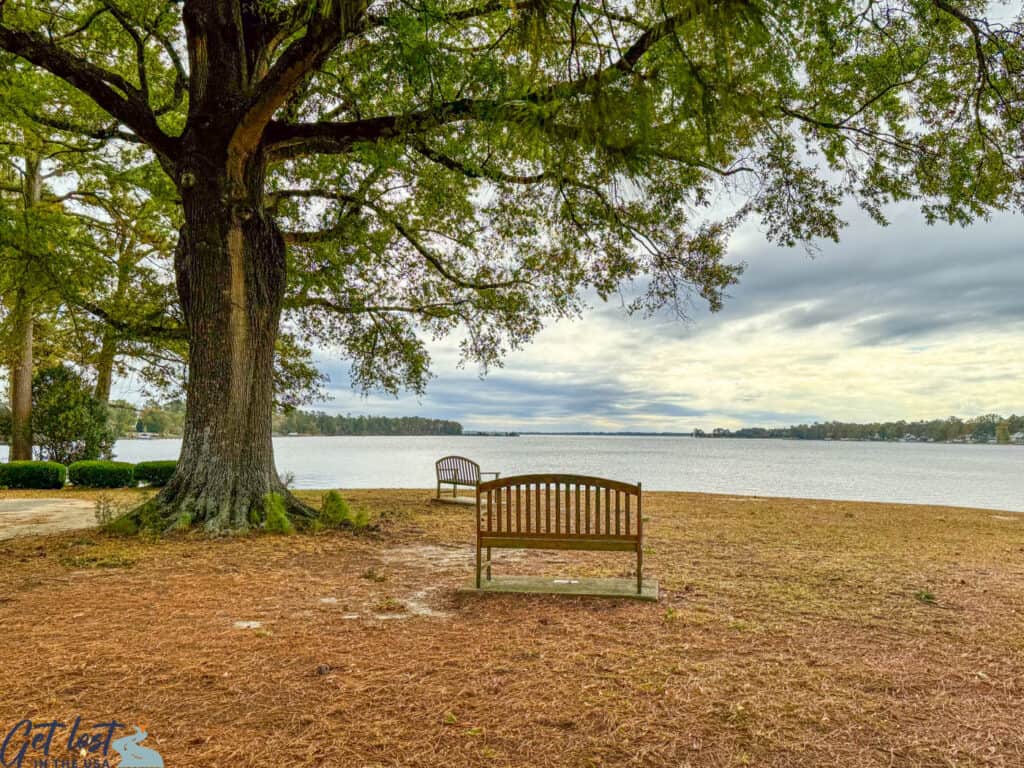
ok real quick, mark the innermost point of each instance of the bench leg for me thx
(640, 569)
(488, 563)
(478, 564)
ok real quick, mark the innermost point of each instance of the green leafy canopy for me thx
(483, 167)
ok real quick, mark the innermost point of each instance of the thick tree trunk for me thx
(230, 267)
(21, 379)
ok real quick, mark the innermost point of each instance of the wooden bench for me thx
(558, 512)
(458, 470)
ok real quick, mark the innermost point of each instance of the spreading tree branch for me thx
(433, 259)
(477, 172)
(331, 22)
(109, 90)
(288, 140)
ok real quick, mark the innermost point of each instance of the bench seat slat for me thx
(592, 543)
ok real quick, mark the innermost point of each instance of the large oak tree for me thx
(381, 172)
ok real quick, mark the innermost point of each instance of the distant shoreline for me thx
(688, 435)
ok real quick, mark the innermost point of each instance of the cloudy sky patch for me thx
(906, 321)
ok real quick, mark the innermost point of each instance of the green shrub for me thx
(334, 511)
(102, 474)
(32, 474)
(275, 515)
(155, 473)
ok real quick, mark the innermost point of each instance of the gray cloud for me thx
(901, 282)
(510, 401)
(905, 290)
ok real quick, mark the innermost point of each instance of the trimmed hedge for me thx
(155, 472)
(102, 474)
(32, 474)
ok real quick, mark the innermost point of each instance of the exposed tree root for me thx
(216, 511)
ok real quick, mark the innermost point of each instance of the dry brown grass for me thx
(789, 633)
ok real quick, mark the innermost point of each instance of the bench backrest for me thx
(559, 506)
(458, 469)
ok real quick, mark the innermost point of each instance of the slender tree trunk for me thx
(21, 379)
(22, 317)
(105, 366)
(108, 347)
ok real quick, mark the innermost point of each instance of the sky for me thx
(908, 321)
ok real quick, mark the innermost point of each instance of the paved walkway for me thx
(22, 517)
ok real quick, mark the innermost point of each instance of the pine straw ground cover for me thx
(789, 633)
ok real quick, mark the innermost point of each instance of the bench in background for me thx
(458, 471)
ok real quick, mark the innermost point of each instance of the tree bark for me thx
(21, 379)
(231, 273)
(22, 363)
(108, 346)
(105, 366)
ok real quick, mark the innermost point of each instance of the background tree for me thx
(381, 172)
(165, 419)
(76, 220)
(5, 422)
(28, 225)
(68, 423)
(129, 322)
(122, 417)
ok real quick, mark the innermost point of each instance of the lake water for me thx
(987, 476)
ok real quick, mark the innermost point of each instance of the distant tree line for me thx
(320, 423)
(125, 419)
(982, 429)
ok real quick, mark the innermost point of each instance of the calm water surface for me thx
(987, 476)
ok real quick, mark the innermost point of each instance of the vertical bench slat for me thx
(568, 506)
(597, 517)
(547, 507)
(627, 513)
(597, 510)
(575, 508)
(558, 509)
(489, 527)
(586, 517)
(529, 526)
(519, 510)
(536, 494)
(607, 505)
